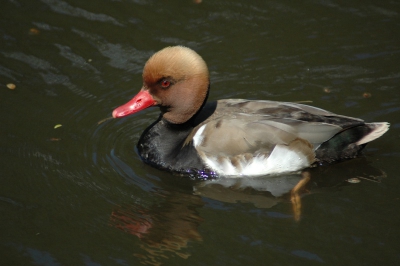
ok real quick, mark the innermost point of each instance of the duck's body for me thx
(235, 137)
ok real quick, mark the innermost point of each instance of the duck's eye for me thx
(165, 83)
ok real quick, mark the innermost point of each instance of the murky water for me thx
(78, 194)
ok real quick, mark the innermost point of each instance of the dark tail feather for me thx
(349, 142)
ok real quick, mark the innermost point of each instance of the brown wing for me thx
(242, 126)
(239, 134)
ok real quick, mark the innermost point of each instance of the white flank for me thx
(281, 160)
(198, 137)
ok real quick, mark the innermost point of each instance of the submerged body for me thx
(234, 137)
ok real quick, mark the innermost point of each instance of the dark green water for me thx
(79, 194)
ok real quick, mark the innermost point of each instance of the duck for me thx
(234, 137)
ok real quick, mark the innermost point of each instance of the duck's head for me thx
(176, 79)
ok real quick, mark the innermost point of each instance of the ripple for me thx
(120, 56)
(50, 75)
(62, 7)
(111, 146)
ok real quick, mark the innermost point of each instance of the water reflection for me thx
(266, 192)
(166, 229)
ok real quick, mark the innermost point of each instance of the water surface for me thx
(79, 194)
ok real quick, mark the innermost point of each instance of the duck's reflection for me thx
(166, 229)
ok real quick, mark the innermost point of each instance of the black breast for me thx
(162, 145)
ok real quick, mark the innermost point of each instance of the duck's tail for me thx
(377, 130)
(349, 142)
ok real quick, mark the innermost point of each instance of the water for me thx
(79, 194)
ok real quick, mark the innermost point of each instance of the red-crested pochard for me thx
(234, 136)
